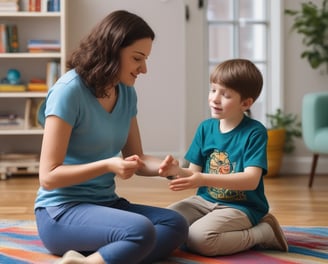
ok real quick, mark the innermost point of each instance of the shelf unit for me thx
(30, 25)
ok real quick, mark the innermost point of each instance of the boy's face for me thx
(226, 103)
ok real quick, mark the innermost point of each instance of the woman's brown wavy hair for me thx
(97, 59)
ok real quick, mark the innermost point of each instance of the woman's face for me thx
(133, 60)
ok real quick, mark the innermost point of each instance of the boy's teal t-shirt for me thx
(96, 134)
(228, 153)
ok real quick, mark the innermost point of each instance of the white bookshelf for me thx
(31, 25)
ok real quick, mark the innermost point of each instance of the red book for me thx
(37, 5)
(3, 38)
(31, 5)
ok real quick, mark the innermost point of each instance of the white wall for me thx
(299, 79)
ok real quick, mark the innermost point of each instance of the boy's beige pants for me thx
(216, 229)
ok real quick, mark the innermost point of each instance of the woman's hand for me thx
(126, 168)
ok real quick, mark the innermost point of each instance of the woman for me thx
(89, 119)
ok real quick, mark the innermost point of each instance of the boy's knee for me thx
(203, 243)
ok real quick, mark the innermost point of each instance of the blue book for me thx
(53, 5)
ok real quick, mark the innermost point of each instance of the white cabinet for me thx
(26, 138)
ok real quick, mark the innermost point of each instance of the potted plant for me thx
(312, 22)
(283, 129)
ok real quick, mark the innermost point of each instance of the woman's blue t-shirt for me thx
(96, 134)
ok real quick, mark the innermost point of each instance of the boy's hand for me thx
(184, 183)
(169, 167)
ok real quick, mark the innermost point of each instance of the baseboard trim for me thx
(302, 165)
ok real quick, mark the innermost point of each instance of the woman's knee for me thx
(141, 231)
(178, 223)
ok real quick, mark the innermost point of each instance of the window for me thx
(249, 29)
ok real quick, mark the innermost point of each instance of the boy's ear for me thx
(247, 103)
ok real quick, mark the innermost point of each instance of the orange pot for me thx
(275, 150)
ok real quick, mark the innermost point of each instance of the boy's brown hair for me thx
(240, 75)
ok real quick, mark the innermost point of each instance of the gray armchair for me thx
(315, 126)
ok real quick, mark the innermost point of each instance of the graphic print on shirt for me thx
(219, 163)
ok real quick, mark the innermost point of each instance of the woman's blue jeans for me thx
(122, 232)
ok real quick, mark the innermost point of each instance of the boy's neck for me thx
(226, 125)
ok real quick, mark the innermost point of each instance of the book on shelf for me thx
(44, 6)
(39, 86)
(34, 5)
(12, 88)
(12, 38)
(32, 107)
(52, 75)
(3, 38)
(9, 6)
(8, 38)
(40, 5)
(53, 5)
(43, 45)
(53, 72)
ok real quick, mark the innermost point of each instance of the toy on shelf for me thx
(12, 82)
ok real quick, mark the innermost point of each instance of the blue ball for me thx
(13, 76)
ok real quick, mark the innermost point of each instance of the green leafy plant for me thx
(312, 22)
(288, 122)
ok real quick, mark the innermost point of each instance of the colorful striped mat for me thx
(20, 244)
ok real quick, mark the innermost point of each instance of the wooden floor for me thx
(291, 201)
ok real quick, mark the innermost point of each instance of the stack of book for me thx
(11, 121)
(36, 85)
(8, 38)
(43, 45)
(12, 87)
(42, 85)
(9, 6)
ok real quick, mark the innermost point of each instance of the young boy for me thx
(227, 159)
